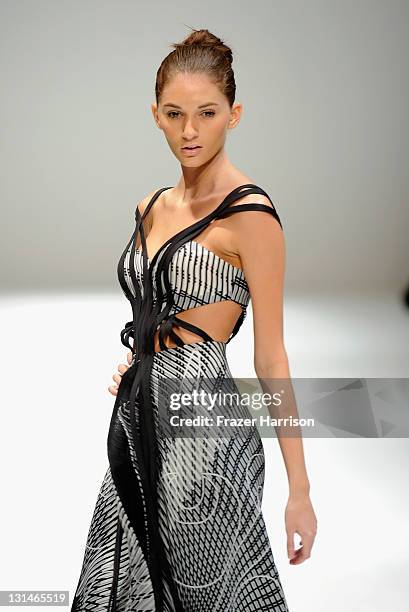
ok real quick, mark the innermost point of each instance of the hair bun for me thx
(204, 38)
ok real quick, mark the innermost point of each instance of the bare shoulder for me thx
(255, 216)
(142, 204)
(249, 226)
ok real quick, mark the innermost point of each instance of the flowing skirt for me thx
(209, 493)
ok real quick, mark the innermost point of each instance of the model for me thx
(178, 525)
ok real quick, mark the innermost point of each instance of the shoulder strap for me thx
(238, 193)
(232, 197)
(153, 199)
(243, 190)
(252, 206)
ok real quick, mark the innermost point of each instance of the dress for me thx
(177, 525)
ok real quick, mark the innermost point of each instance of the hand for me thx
(300, 518)
(122, 368)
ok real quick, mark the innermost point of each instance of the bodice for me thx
(182, 275)
(197, 276)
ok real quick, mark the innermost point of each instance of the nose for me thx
(189, 130)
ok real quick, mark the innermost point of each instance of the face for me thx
(193, 111)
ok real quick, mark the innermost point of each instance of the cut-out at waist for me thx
(216, 319)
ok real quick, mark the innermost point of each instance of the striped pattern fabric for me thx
(178, 525)
(197, 276)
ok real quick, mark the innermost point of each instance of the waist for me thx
(184, 360)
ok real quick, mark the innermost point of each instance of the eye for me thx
(174, 114)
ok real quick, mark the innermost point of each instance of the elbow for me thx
(272, 366)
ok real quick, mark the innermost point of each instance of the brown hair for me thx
(201, 51)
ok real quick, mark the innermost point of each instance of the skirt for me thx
(213, 538)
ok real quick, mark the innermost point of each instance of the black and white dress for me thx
(177, 525)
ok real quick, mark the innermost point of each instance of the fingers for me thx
(122, 368)
(117, 377)
(290, 544)
(113, 389)
(300, 556)
(304, 552)
(307, 542)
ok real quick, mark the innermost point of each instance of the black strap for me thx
(251, 206)
(150, 204)
(165, 329)
(237, 324)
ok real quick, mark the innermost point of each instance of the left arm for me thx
(260, 244)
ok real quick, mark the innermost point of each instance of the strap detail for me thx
(251, 206)
(161, 261)
(166, 329)
(193, 328)
(237, 324)
(150, 204)
(126, 333)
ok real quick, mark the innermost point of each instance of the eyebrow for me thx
(201, 106)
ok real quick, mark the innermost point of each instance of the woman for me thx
(178, 524)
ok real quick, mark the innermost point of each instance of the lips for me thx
(191, 148)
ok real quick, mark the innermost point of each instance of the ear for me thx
(235, 115)
(154, 109)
